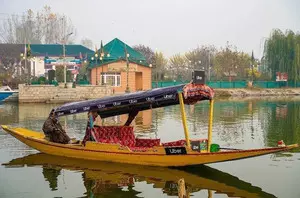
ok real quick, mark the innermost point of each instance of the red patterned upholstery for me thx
(147, 142)
(115, 134)
(127, 136)
(175, 143)
(107, 134)
(179, 142)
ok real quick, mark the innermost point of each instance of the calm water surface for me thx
(247, 123)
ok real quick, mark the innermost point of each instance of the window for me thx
(112, 79)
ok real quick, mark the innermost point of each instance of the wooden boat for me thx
(118, 143)
(7, 94)
(108, 177)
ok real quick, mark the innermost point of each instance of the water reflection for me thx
(114, 180)
(238, 123)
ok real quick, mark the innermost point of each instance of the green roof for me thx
(116, 51)
(57, 50)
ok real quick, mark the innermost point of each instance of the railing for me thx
(232, 84)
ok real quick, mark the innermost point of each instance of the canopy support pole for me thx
(211, 111)
(183, 117)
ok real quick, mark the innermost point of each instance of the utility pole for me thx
(208, 65)
(127, 65)
(252, 64)
(65, 67)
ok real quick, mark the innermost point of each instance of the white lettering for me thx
(175, 151)
(150, 99)
(116, 103)
(73, 111)
(101, 106)
(86, 108)
(132, 101)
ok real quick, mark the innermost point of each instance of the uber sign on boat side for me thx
(175, 151)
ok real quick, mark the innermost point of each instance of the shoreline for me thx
(220, 94)
(256, 92)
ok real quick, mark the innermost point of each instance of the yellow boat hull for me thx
(155, 156)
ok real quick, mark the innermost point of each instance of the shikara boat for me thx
(104, 178)
(118, 143)
(7, 94)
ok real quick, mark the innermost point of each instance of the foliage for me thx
(59, 74)
(230, 62)
(41, 27)
(179, 67)
(282, 53)
(160, 63)
(147, 52)
(253, 72)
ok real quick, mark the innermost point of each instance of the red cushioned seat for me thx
(175, 143)
(147, 142)
(180, 142)
(127, 137)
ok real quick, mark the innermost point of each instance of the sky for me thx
(172, 26)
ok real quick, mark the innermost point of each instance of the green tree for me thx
(201, 58)
(159, 66)
(230, 62)
(178, 64)
(282, 53)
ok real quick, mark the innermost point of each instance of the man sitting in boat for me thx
(54, 131)
(94, 120)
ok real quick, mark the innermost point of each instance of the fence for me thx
(232, 84)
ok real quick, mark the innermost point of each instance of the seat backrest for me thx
(146, 142)
(127, 136)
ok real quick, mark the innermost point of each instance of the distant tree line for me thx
(282, 53)
(219, 64)
(41, 27)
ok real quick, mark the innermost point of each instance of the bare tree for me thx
(147, 52)
(87, 43)
(43, 27)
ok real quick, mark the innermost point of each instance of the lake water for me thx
(240, 123)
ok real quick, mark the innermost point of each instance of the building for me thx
(111, 64)
(45, 57)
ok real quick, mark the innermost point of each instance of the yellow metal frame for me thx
(211, 112)
(183, 117)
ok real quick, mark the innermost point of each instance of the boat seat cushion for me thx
(147, 142)
(115, 134)
(127, 137)
(180, 142)
(175, 143)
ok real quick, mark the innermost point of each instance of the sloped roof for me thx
(116, 51)
(57, 50)
(15, 50)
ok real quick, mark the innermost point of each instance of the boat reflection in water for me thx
(107, 179)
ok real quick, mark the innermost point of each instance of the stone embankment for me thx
(257, 92)
(59, 94)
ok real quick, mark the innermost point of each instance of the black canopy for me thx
(143, 100)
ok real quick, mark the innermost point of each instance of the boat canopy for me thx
(139, 101)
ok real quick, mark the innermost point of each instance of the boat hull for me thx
(6, 95)
(155, 156)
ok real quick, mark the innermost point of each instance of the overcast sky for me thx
(173, 26)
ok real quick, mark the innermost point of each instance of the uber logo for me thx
(199, 77)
